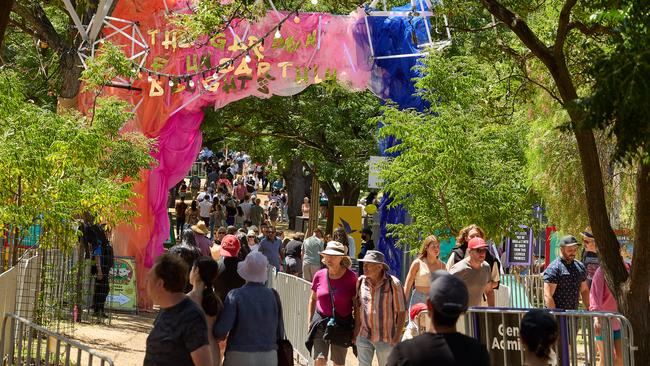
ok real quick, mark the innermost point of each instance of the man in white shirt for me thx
(204, 209)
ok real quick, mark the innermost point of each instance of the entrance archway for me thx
(281, 54)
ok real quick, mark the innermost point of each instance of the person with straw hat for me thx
(249, 317)
(201, 232)
(380, 310)
(331, 329)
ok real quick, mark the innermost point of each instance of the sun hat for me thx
(448, 294)
(335, 248)
(229, 246)
(374, 256)
(200, 228)
(587, 233)
(568, 241)
(254, 267)
(477, 243)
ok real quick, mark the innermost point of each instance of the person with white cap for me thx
(331, 329)
(248, 318)
(380, 310)
(565, 279)
(442, 345)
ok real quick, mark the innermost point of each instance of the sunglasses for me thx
(481, 250)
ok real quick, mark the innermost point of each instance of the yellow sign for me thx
(123, 292)
(349, 218)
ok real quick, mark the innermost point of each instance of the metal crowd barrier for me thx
(524, 291)
(29, 344)
(294, 293)
(198, 169)
(498, 330)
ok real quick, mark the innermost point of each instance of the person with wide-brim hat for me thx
(333, 293)
(200, 235)
(251, 317)
(381, 309)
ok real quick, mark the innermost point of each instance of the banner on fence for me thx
(500, 334)
(123, 294)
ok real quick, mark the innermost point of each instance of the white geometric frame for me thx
(420, 13)
(137, 53)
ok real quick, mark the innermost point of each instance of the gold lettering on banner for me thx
(262, 68)
(170, 40)
(284, 66)
(278, 43)
(210, 84)
(230, 66)
(243, 68)
(153, 33)
(219, 41)
(156, 89)
(302, 74)
(191, 63)
(230, 84)
(257, 49)
(237, 47)
(184, 43)
(317, 79)
(311, 39)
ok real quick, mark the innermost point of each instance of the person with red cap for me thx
(474, 271)
(227, 277)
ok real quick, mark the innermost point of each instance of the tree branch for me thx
(596, 29)
(521, 29)
(36, 17)
(563, 27)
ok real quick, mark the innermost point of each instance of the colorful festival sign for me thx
(245, 59)
(123, 294)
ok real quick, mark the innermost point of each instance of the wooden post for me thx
(314, 205)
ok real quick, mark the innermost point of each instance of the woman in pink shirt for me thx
(601, 299)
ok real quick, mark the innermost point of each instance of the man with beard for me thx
(565, 279)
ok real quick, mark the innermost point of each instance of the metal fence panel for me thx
(294, 293)
(51, 348)
(498, 329)
(523, 291)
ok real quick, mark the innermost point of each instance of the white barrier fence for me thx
(30, 344)
(496, 328)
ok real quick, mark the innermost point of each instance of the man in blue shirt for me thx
(270, 246)
(565, 279)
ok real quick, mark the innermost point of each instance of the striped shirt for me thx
(379, 307)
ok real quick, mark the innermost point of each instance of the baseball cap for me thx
(229, 246)
(568, 241)
(448, 294)
(587, 233)
(477, 243)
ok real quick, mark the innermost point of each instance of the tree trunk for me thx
(634, 303)
(4, 20)
(70, 74)
(350, 193)
(295, 191)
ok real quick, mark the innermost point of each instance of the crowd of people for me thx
(228, 314)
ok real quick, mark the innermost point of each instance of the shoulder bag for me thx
(338, 331)
(285, 349)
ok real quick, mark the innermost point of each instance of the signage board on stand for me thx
(519, 248)
(123, 289)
